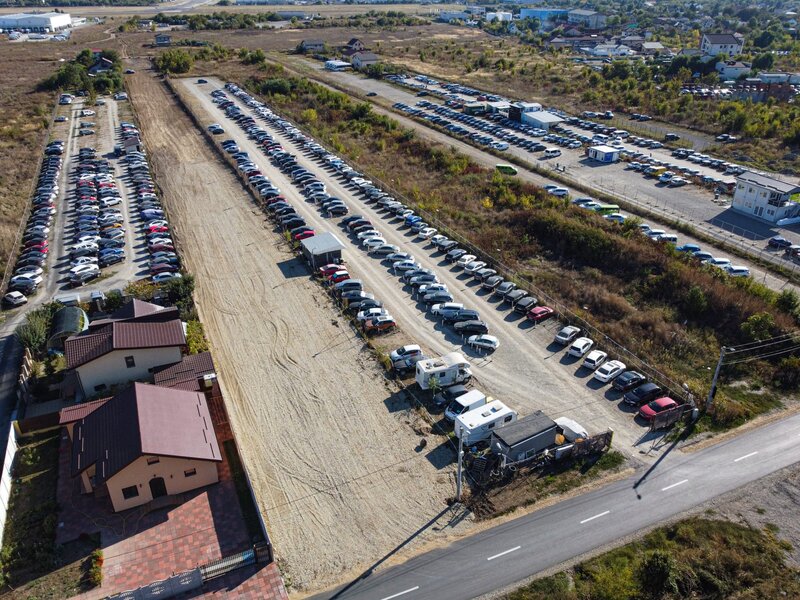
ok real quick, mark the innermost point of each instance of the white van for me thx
(477, 425)
(465, 403)
(552, 153)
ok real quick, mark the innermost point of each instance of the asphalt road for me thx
(528, 372)
(518, 549)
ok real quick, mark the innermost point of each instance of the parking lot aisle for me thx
(522, 372)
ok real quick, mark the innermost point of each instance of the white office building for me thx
(765, 197)
(40, 22)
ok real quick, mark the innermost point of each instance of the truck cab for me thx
(464, 403)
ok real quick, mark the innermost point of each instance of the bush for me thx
(141, 290)
(174, 60)
(195, 337)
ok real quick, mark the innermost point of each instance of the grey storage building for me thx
(322, 249)
(525, 438)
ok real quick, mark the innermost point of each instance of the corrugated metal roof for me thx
(143, 420)
(768, 182)
(85, 347)
(185, 375)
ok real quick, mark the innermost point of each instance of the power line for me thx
(760, 356)
(762, 343)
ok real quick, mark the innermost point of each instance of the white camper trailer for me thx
(450, 369)
(477, 425)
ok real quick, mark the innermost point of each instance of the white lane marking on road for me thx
(669, 487)
(414, 589)
(602, 514)
(745, 456)
(504, 553)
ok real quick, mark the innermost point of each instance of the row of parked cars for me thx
(475, 136)
(97, 221)
(164, 263)
(28, 271)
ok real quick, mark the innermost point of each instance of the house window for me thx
(152, 460)
(130, 362)
(130, 492)
(190, 473)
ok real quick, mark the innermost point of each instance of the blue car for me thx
(411, 219)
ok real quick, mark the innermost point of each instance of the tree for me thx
(174, 60)
(758, 327)
(764, 61)
(657, 574)
(788, 301)
(696, 302)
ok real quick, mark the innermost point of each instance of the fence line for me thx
(6, 477)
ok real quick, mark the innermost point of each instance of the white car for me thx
(84, 260)
(29, 271)
(164, 277)
(465, 260)
(87, 268)
(372, 243)
(609, 371)
(594, 359)
(485, 342)
(429, 288)
(474, 266)
(654, 234)
(559, 191)
(437, 239)
(371, 313)
(722, 263)
(368, 234)
(427, 233)
(566, 335)
(446, 308)
(15, 299)
(580, 346)
(405, 265)
(737, 271)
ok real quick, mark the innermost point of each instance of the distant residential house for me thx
(588, 18)
(765, 197)
(163, 40)
(103, 65)
(586, 41)
(125, 347)
(546, 16)
(499, 16)
(610, 50)
(633, 41)
(312, 45)
(714, 44)
(359, 60)
(144, 443)
(448, 16)
(353, 46)
(732, 69)
(653, 49)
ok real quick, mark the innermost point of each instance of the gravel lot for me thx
(330, 449)
(528, 372)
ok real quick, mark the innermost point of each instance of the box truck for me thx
(448, 370)
(477, 425)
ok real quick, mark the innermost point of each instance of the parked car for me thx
(609, 370)
(540, 313)
(484, 342)
(379, 324)
(580, 347)
(471, 326)
(642, 394)
(14, 298)
(649, 411)
(566, 335)
(628, 380)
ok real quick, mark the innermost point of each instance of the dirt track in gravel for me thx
(330, 450)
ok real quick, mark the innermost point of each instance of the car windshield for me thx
(655, 407)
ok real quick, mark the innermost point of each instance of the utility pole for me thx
(713, 390)
(458, 475)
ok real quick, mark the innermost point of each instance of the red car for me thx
(338, 276)
(328, 270)
(157, 229)
(649, 411)
(304, 235)
(274, 199)
(540, 313)
(379, 324)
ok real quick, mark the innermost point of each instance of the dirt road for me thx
(330, 452)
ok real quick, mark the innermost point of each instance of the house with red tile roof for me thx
(125, 347)
(144, 443)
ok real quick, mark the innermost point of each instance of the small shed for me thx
(66, 322)
(525, 438)
(163, 40)
(322, 249)
(541, 119)
(603, 154)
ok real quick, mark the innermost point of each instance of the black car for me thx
(110, 259)
(470, 327)
(292, 222)
(628, 380)
(515, 296)
(448, 245)
(454, 255)
(356, 307)
(525, 304)
(642, 394)
(462, 315)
